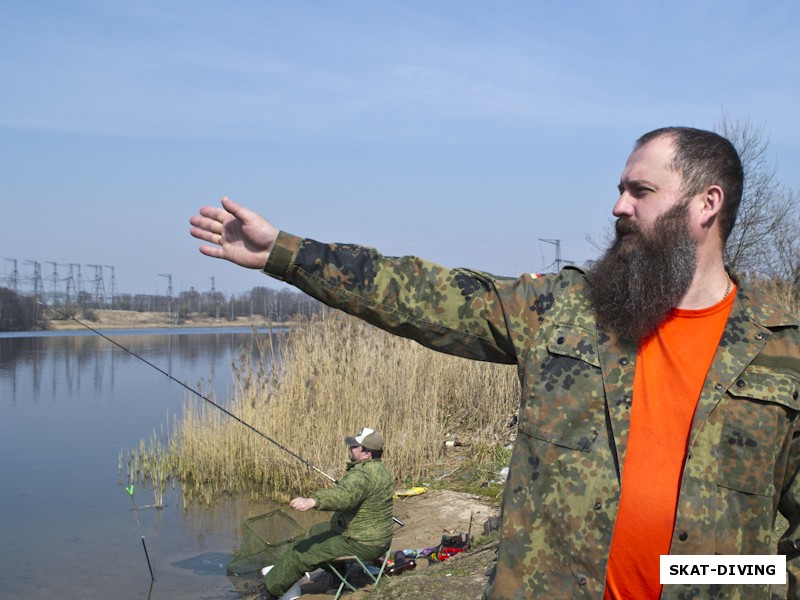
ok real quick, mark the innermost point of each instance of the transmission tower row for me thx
(72, 283)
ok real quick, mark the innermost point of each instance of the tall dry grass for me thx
(327, 378)
(783, 292)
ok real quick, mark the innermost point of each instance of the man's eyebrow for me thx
(635, 183)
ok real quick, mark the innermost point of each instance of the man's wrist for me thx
(282, 256)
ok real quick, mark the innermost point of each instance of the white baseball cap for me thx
(366, 438)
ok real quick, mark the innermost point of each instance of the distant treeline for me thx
(19, 313)
(25, 313)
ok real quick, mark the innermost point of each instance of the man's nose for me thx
(623, 206)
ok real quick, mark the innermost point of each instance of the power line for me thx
(14, 279)
(558, 262)
(99, 285)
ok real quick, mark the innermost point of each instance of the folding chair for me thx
(345, 576)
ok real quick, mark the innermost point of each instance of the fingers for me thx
(213, 251)
(247, 237)
(209, 226)
(214, 213)
(213, 218)
(207, 234)
(302, 504)
(245, 215)
(206, 222)
(200, 230)
(230, 205)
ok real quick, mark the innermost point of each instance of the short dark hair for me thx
(705, 158)
(375, 453)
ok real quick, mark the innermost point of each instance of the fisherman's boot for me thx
(266, 595)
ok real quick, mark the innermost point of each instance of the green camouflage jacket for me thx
(363, 503)
(563, 487)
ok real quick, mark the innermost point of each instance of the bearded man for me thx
(659, 393)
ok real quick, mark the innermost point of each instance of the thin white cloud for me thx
(256, 69)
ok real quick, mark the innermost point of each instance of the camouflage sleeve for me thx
(789, 506)
(457, 311)
(345, 496)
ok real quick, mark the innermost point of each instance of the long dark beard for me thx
(638, 281)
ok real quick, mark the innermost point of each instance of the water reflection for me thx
(61, 366)
(68, 405)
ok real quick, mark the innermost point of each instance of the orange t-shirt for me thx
(671, 367)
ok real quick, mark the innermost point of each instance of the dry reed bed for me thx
(306, 389)
(329, 377)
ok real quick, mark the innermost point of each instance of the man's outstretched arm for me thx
(237, 233)
(457, 311)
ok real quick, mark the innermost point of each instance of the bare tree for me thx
(783, 276)
(768, 219)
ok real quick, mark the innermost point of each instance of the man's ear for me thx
(712, 205)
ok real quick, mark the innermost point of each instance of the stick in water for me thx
(147, 556)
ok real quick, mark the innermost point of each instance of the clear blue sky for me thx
(460, 131)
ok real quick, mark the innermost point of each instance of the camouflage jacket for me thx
(563, 487)
(363, 503)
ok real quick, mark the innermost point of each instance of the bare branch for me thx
(757, 244)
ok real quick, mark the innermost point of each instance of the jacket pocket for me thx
(564, 390)
(758, 413)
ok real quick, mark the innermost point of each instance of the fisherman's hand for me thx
(239, 235)
(303, 504)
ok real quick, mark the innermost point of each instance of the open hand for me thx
(239, 235)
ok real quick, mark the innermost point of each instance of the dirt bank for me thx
(426, 518)
(129, 319)
(462, 577)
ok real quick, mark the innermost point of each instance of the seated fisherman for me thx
(361, 525)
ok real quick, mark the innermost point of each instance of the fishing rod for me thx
(192, 390)
(201, 396)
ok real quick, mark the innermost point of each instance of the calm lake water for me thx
(69, 403)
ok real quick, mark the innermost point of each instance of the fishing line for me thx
(203, 397)
(192, 390)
